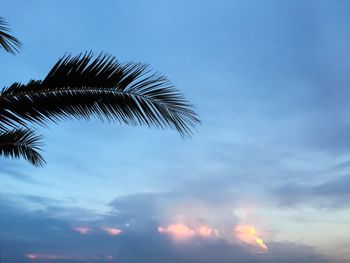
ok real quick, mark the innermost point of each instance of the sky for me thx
(265, 177)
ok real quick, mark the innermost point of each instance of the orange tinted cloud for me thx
(177, 230)
(183, 231)
(248, 235)
(206, 231)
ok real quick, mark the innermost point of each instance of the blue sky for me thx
(270, 81)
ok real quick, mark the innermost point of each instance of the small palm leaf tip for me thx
(83, 86)
(7, 41)
(21, 143)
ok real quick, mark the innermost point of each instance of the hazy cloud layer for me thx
(46, 232)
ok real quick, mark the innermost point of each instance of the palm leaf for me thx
(83, 86)
(7, 41)
(21, 143)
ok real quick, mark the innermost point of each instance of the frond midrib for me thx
(81, 90)
(21, 144)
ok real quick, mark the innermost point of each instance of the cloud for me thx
(333, 193)
(47, 236)
(9, 168)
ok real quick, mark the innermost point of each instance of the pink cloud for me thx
(34, 256)
(112, 231)
(82, 230)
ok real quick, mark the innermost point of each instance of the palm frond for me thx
(7, 41)
(21, 143)
(83, 86)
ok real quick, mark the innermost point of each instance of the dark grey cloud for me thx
(333, 193)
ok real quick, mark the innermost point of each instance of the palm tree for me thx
(82, 87)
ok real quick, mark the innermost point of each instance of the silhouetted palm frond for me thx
(21, 143)
(83, 86)
(7, 41)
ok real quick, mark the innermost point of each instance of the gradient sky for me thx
(270, 81)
